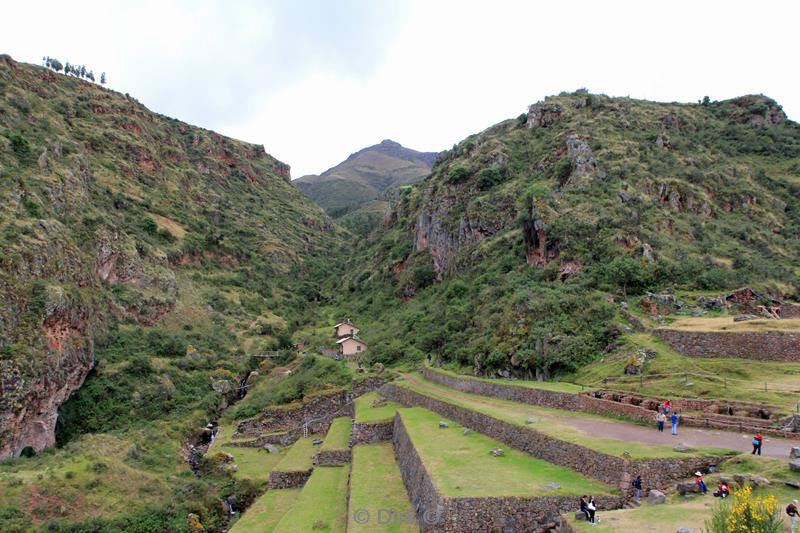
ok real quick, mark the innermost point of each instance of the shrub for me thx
(457, 175)
(21, 147)
(424, 276)
(746, 514)
(489, 177)
(148, 225)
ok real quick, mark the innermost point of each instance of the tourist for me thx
(592, 507)
(757, 440)
(667, 405)
(637, 484)
(585, 507)
(698, 479)
(674, 423)
(661, 418)
(792, 511)
(722, 490)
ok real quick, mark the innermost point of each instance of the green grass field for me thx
(322, 504)
(298, 457)
(460, 464)
(376, 486)
(338, 436)
(252, 463)
(518, 413)
(266, 512)
(366, 413)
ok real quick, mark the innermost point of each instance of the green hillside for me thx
(508, 256)
(150, 257)
(355, 190)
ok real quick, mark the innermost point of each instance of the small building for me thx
(345, 329)
(350, 347)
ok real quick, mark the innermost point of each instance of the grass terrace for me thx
(253, 463)
(556, 386)
(322, 504)
(458, 463)
(266, 512)
(298, 458)
(366, 413)
(726, 323)
(338, 437)
(553, 422)
(376, 486)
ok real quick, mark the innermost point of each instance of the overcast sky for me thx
(315, 81)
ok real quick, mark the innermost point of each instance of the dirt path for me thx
(608, 428)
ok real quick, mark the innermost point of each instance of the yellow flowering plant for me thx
(746, 514)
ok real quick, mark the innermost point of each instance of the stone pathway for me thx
(609, 428)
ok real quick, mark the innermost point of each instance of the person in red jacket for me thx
(757, 441)
(667, 405)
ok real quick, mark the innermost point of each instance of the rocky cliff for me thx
(114, 216)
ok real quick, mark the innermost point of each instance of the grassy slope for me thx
(366, 413)
(322, 502)
(338, 436)
(518, 413)
(456, 250)
(377, 487)
(458, 464)
(253, 463)
(266, 512)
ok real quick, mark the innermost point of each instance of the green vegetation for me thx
(252, 463)
(266, 512)
(376, 485)
(556, 386)
(366, 412)
(322, 504)
(458, 463)
(299, 456)
(338, 436)
(557, 421)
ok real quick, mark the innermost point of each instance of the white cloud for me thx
(315, 81)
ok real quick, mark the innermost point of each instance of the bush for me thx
(489, 177)
(457, 175)
(148, 225)
(746, 514)
(21, 147)
(424, 276)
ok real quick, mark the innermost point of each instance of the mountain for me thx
(509, 256)
(355, 191)
(143, 255)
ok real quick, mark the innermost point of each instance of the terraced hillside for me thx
(509, 257)
(355, 192)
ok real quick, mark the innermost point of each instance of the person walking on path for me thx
(585, 507)
(792, 511)
(637, 484)
(674, 423)
(661, 418)
(757, 440)
(698, 479)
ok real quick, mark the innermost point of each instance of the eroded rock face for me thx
(543, 115)
(584, 165)
(32, 391)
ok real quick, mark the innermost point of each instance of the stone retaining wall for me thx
(318, 412)
(589, 404)
(289, 480)
(366, 433)
(762, 346)
(789, 311)
(436, 513)
(616, 471)
(333, 457)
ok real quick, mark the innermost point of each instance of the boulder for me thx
(686, 488)
(794, 465)
(683, 448)
(579, 515)
(793, 484)
(443, 424)
(553, 485)
(686, 530)
(271, 448)
(795, 452)
(742, 479)
(531, 420)
(497, 452)
(316, 442)
(467, 432)
(758, 481)
(656, 497)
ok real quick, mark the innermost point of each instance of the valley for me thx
(520, 307)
